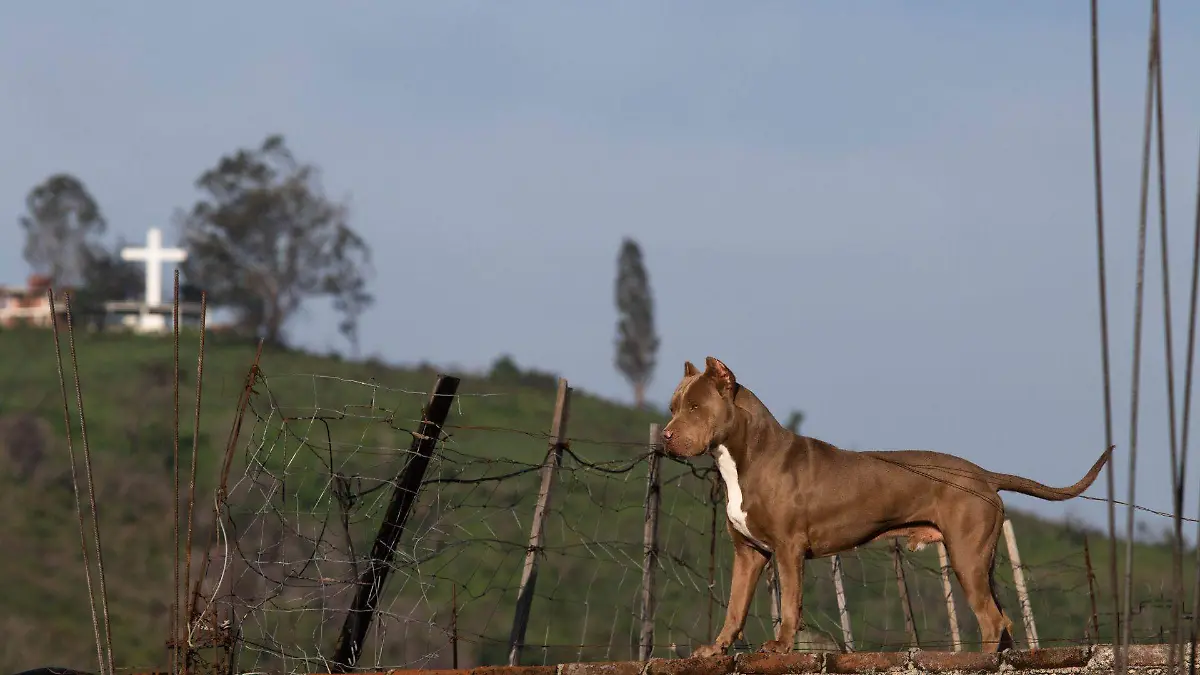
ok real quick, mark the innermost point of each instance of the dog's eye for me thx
(694, 407)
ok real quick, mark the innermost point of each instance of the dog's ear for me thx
(720, 373)
(689, 369)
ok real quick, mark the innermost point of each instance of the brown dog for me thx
(798, 498)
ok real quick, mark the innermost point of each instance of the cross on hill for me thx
(154, 255)
(151, 314)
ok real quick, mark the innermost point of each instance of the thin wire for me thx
(1143, 509)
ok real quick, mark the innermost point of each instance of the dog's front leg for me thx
(790, 560)
(748, 563)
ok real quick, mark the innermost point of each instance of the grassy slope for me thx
(470, 535)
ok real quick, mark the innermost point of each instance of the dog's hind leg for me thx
(972, 555)
(1006, 636)
(748, 564)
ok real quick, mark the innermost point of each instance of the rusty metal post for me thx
(454, 626)
(176, 641)
(1102, 287)
(558, 440)
(1091, 581)
(650, 544)
(87, 565)
(191, 506)
(1122, 647)
(91, 486)
(408, 484)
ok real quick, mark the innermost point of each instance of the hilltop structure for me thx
(151, 314)
(29, 305)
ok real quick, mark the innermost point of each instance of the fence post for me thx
(454, 626)
(944, 563)
(407, 485)
(774, 592)
(714, 495)
(1014, 557)
(650, 545)
(1091, 580)
(558, 439)
(843, 611)
(910, 625)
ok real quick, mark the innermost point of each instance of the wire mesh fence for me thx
(320, 460)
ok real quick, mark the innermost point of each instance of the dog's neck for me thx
(754, 428)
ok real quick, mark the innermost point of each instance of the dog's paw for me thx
(708, 650)
(776, 647)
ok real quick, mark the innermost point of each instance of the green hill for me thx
(322, 440)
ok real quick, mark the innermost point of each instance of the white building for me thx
(29, 305)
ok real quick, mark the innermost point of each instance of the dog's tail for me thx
(1004, 481)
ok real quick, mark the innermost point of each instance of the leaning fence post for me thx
(404, 494)
(650, 545)
(558, 439)
(1014, 557)
(843, 611)
(1091, 581)
(944, 563)
(454, 626)
(910, 625)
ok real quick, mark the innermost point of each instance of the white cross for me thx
(154, 255)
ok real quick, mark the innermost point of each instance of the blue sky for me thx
(881, 213)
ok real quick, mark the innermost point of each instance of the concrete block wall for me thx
(1078, 660)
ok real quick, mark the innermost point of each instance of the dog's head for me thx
(702, 410)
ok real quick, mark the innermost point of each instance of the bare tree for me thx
(637, 342)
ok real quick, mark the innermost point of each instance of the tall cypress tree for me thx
(637, 342)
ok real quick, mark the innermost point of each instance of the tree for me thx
(62, 225)
(106, 277)
(265, 238)
(637, 343)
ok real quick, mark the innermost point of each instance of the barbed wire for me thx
(319, 466)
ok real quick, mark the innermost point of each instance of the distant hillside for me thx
(466, 538)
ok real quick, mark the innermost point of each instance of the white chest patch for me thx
(733, 493)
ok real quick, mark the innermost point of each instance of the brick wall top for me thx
(1078, 660)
